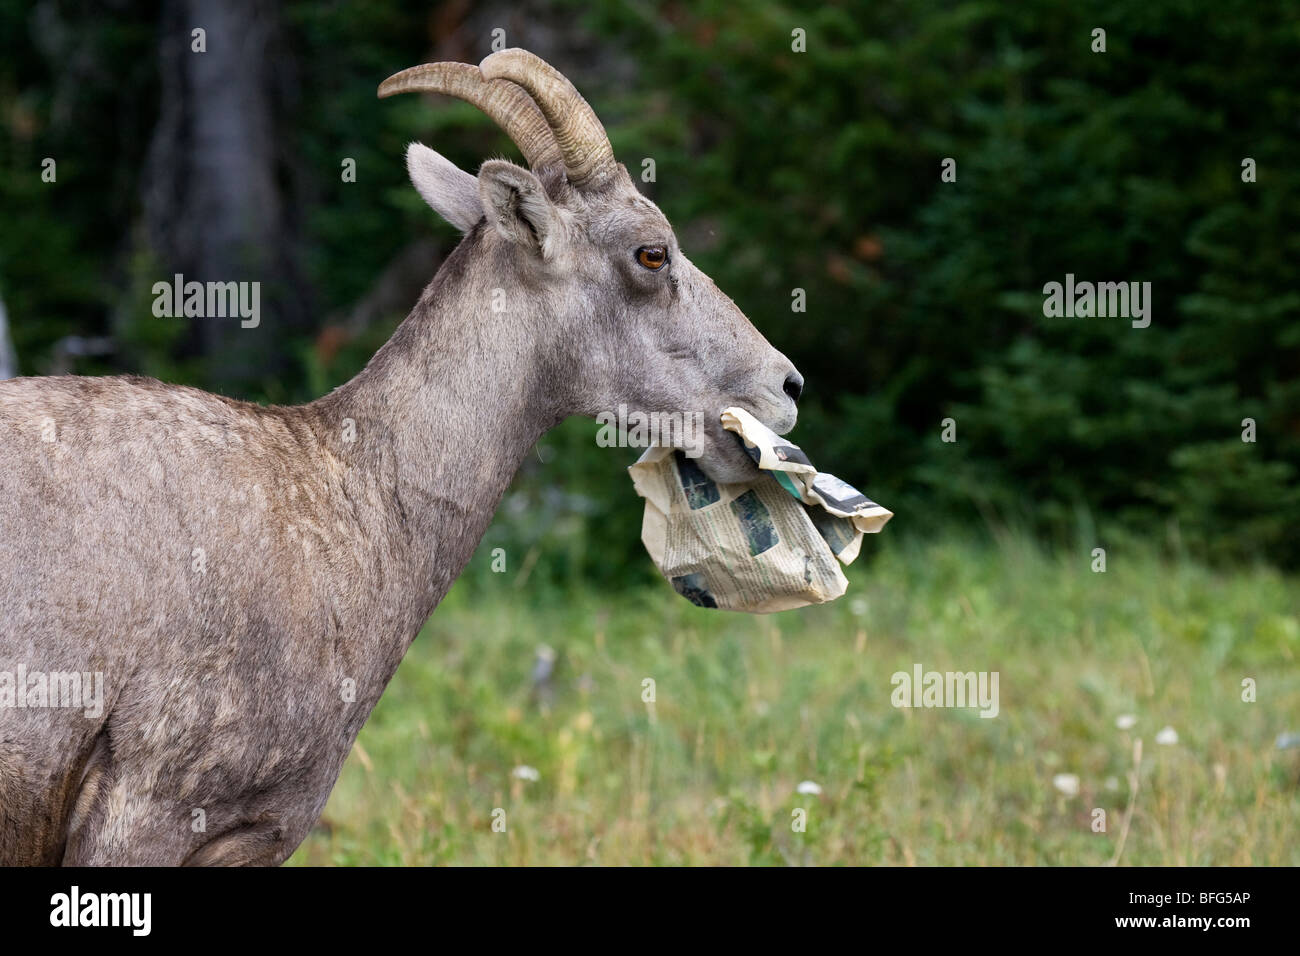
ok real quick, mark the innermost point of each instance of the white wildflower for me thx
(1067, 783)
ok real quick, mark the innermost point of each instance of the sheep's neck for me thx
(450, 407)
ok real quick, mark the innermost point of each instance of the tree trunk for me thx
(8, 358)
(216, 203)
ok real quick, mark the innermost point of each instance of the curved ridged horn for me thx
(588, 157)
(509, 106)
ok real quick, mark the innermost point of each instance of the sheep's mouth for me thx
(720, 453)
(741, 439)
(752, 452)
(726, 459)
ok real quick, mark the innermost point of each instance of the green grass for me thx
(747, 707)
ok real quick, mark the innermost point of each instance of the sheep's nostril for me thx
(793, 386)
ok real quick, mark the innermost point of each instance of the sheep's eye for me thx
(652, 257)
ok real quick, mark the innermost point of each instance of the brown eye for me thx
(652, 257)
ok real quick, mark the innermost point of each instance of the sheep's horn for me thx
(509, 106)
(588, 157)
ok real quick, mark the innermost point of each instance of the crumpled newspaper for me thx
(762, 546)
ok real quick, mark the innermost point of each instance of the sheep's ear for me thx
(452, 192)
(516, 205)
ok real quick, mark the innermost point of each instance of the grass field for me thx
(746, 708)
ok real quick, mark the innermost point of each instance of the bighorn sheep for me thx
(230, 568)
